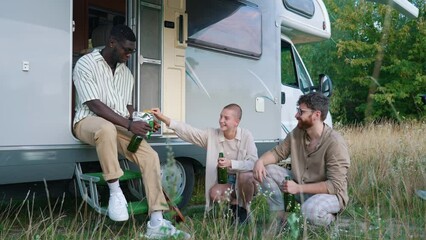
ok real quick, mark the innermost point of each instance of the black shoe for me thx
(242, 215)
(233, 210)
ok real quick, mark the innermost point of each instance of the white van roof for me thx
(402, 6)
(305, 21)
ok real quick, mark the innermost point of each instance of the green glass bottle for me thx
(134, 143)
(136, 140)
(222, 173)
(289, 200)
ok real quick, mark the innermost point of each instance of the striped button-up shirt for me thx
(93, 79)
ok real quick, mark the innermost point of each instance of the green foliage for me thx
(376, 59)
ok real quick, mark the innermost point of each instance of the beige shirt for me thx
(329, 162)
(93, 79)
(213, 140)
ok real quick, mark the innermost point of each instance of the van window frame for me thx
(302, 79)
(211, 31)
(304, 8)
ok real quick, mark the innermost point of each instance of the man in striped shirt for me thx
(104, 108)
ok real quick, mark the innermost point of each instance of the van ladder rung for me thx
(136, 208)
(128, 175)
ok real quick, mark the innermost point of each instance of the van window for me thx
(305, 82)
(293, 71)
(288, 73)
(227, 26)
(303, 8)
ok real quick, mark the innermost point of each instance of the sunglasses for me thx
(301, 111)
(127, 50)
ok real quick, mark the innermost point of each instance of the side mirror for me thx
(325, 85)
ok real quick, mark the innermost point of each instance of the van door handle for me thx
(181, 27)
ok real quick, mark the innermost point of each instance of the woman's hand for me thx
(160, 116)
(223, 162)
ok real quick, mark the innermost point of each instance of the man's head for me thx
(312, 109)
(230, 117)
(122, 43)
(121, 33)
(315, 101)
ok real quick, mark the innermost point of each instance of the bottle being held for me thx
(289, 200)
(136, 139)
(222, 172)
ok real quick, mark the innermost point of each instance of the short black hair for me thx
(315, 101)
(122, 33)
(236, 108)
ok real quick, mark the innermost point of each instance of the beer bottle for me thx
(134, 143)
(289, 201)
(222, 172)
(136, 139)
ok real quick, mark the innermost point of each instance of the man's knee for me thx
(316, 214)
(106, 130)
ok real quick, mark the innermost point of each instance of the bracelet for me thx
(130, 124)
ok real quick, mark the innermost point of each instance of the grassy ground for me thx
(388, 165)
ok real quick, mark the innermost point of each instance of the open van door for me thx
(162, 33)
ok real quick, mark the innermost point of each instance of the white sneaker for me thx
(117, 207)
(163, 230)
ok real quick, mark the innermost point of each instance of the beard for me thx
(304, 124)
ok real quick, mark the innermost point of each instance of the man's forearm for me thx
(131, 109)
(313, 188)
(107, 113)
(268, 158)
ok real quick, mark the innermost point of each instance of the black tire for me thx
(190, 180)
(181, 179)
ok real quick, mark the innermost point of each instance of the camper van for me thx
(193, 58)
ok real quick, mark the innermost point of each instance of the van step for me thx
(128, 175)
(88, 185)
(136, 208)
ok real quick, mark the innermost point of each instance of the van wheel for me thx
(178, 180)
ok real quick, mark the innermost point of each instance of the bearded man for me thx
(319, 165)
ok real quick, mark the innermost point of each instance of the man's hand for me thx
(140, 128)
(290, 186)
(259, 171)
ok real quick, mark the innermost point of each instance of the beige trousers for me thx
(109, 140)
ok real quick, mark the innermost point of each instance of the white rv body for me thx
(175, 70)
(189, 79)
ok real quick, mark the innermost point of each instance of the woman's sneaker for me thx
(164, 230)
(117, 207)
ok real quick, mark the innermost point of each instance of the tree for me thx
(376, 58)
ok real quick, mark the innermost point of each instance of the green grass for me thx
(388, 164)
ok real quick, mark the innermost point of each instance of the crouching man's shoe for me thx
(117, 207)
(165, 230)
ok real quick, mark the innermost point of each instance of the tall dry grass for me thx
(388, 164)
